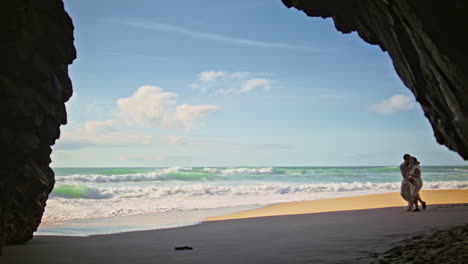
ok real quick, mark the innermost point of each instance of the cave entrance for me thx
(198, 109)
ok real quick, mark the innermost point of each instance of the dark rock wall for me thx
(427, 41)
(36, 46)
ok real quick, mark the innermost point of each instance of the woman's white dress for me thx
(416, 185)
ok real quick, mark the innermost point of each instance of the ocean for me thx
(83, 194)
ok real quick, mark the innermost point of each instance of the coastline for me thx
(325, 237)
(174, 219)
(87, 193)
(131, 223)
(350, 203)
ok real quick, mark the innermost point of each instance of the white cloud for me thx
(230, 82)
(105, 132)
(160, 27)
(211, 75)
(205, 78)
(92, 127)
(190, 112)
(185, 115)
(150, 105)
(147, 105)
(249, 85)
(396, 103)
(109, 133)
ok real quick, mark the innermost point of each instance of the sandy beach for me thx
(362, 202)
(337, 230)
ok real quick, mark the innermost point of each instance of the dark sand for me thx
(332, 237)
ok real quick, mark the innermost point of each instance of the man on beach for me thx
(405, 190)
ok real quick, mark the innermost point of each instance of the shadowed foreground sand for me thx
(329, 237)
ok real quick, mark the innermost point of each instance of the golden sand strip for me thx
(432, 197)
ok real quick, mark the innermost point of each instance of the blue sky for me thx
(238, 83)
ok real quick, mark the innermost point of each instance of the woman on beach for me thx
(414, 177)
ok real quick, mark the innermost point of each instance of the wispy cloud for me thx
(140, 158)
(106, 132)
(396, 103)
(226, 145)
(149, 25)
(230, 82)
(251, 84)
(141, 56)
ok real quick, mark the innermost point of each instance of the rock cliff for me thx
(426, 40)
(36, 47)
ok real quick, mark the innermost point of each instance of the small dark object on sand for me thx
(183, 248)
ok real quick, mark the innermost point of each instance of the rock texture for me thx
(426, 40)
(448, 246)
(36, 46)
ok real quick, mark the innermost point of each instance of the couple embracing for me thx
(411, 183)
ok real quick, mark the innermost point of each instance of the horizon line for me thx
(308, 166)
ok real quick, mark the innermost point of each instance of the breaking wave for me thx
(80, 191)
(176, 174)
(207, 190)
(83, 193)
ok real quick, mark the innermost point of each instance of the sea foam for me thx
(82, 193)
(78, 202)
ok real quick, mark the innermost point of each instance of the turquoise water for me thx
(85, 193)
(287, 174)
